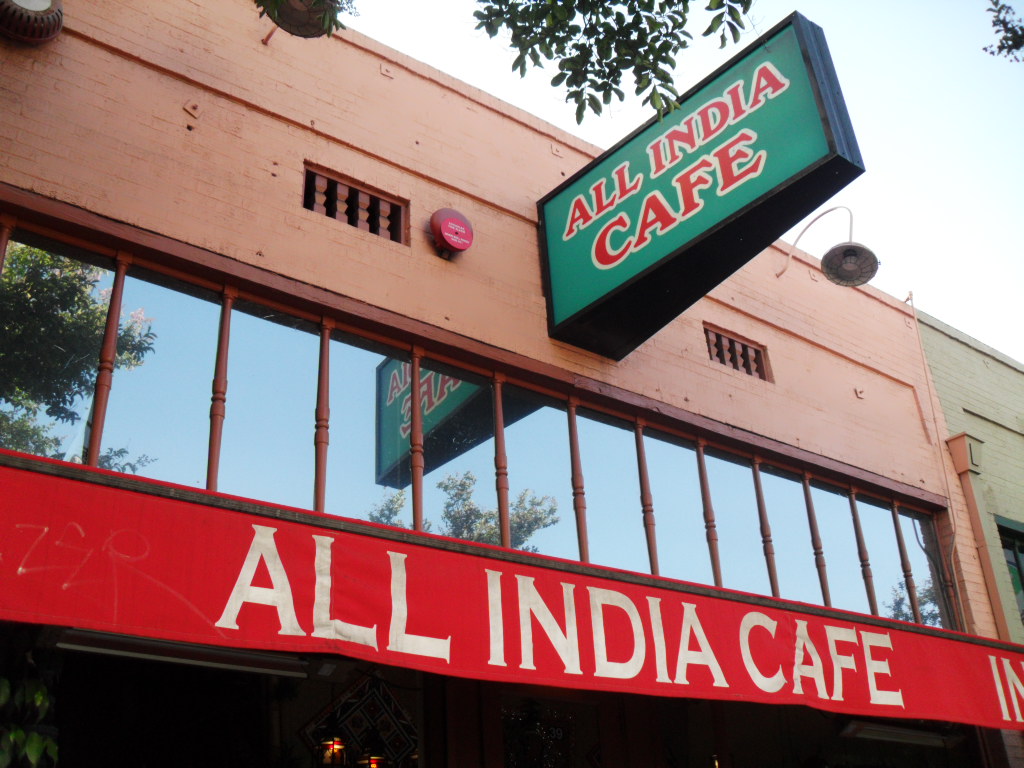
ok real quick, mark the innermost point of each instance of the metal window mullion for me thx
(766, 530)
(816, 545)
(579, 497)
(710, 528)
(501, 463)
(322, 424)
(862, 554)
(646, 498)
(218, 400)
(108, 359)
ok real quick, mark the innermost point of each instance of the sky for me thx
(939, 123)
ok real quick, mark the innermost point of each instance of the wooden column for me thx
(108, 359)
(6, 230)
(766, 529)
(819, 551)
(908, 574)
(646, 497)
(416, 461)
(579, 498)
(321, 430)
(501, 462)
(862, 553)
(709, 515)
(218, 400)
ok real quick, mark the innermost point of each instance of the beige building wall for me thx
(181, 119)
(982, 396)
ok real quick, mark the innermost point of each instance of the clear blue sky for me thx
(938, 120)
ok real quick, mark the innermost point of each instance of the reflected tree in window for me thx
(52, 315)
(463, 518)
(898, 607)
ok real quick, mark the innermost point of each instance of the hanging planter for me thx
(31, 21)
(303, 18)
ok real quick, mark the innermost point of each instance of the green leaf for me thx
(34, 746)
(714, 25)
(714, 5)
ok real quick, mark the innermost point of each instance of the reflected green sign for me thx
(656, 222)
(456, 417)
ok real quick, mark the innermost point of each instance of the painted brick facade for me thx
(175, 118)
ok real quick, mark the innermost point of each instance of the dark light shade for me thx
(28, 23)
(849, 264)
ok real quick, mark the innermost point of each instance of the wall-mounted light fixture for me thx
(848, 263)
(31, 21)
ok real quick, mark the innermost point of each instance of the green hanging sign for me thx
(651, 226)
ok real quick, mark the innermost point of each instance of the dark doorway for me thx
(120, 711)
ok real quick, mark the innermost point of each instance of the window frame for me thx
(337, 314)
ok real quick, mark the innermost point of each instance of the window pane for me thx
(731, 481)
(459, 494)
(267, 452)
(53, 309)
(537, 444)
(614, 516)
(679, 513)
(356, 486)
(884, 555)
(839, 542)
(1011, 551)
(923, 551)
(791, 535)
(169, 385)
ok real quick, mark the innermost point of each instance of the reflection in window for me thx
(921, 546)
(615, 527)
(459, 494)
(839, 541)
(739, 532)
(159, 412)
(53, 311)
(548, 732)
(1013, 551)
(882, 550)
(365, 483)
(675, 486)
(53, 306)
(267, 451)
(791, 535)
(537, 446)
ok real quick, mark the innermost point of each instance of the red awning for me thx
(157, 562)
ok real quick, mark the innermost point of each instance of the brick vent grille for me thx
(357, 207)
(739, 355)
